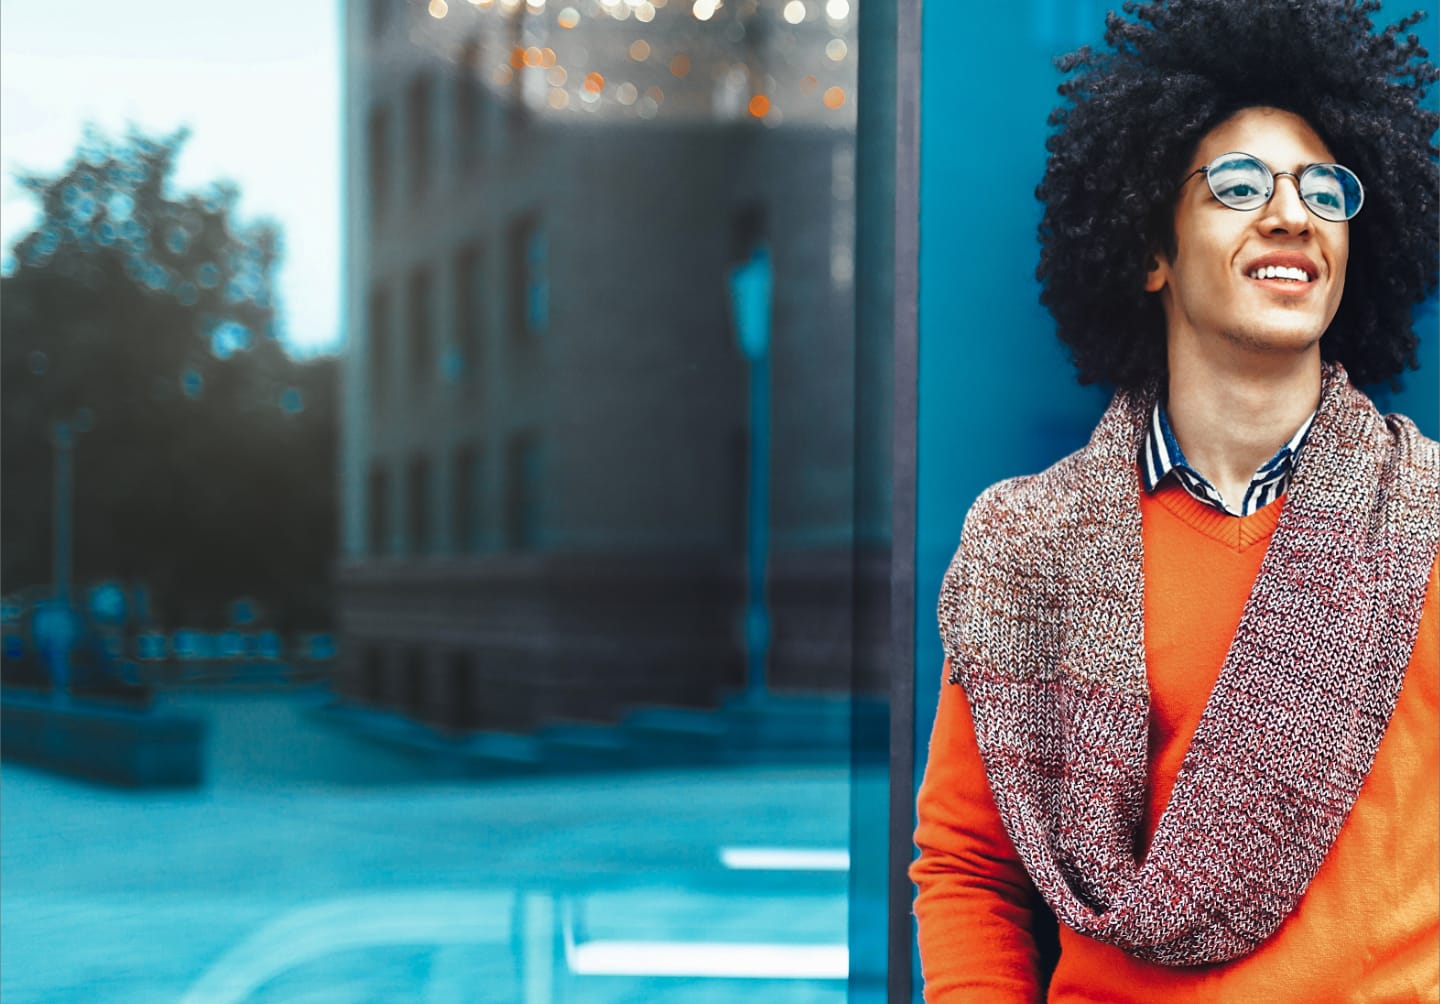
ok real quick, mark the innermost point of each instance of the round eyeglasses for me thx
(1243, 181)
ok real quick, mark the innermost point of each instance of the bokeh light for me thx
(834, 97)
(836, 49)
(569, 18)
(639, 50)
(759, 106)
(680, 66)
(794, 11)
(438, 8)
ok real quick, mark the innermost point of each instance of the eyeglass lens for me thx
(1243, 182)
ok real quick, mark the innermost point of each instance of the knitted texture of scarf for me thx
(1042, 616)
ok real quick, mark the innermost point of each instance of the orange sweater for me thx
(1368, 928)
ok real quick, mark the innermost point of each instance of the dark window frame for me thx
(378, 160)
(521, 278)
(524, 490)
(470, 330)
(377, 511)
(420, 324)
(379, 347)
(467, 506)
(420, 134)
(469, 107)
(420, 506)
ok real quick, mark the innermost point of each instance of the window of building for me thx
(522, 492)
(417, 117)
(463, 713)
(529, 277)
(469, 311)
(422, 335)
(377, 133)
(372, 675)
(516, 113)
(381, 12)
(465, 501)
(379, 343)
(469, 106)
(416, 693)
(377, 491)
(418, 501)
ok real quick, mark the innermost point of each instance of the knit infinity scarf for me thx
(1042, 618)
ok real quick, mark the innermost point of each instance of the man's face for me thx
(1213, 301)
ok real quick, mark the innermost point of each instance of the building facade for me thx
(547, 414)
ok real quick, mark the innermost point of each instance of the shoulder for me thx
(1413, 446)
(1410, 476)
(1035, 507)
(1015, 534)
(1408, 460)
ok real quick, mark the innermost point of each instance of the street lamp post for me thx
(62, 544)
(750, 293)
(55, 624)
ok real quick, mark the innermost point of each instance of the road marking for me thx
(800, 859)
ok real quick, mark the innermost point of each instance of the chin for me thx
(1279, 341)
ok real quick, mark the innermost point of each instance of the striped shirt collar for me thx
(1163, 456)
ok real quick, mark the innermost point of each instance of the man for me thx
(1192, 703)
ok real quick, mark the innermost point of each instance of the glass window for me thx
(378, 511)
(378, 158)
(557, 642)
(371, 685)
(418, 502)
(523, 492)
(462, 697)
(469, 331)
(469, 106)
(421, 333)
(530, 284)
(380, 344)
(417, 119)
(381, 14)
(465, 506)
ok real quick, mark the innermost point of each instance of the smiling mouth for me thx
(1284, 273)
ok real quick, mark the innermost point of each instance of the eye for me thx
(1237, 190)
(1325, 191)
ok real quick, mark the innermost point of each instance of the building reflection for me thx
(548, 417)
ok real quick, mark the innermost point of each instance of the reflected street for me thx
(320, 867)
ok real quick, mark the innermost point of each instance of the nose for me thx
(1286, 211)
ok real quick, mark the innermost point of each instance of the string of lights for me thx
(774, 61)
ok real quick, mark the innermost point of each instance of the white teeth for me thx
(1280, 272)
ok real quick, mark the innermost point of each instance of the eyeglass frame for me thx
(1205, 170)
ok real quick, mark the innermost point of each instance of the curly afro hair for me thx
(1133, 116)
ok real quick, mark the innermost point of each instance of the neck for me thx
(1230, 416)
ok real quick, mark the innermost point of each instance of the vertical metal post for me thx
(62, 505)
(902, 988)
(750, 294)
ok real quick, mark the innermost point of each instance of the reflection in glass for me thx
(585, 724)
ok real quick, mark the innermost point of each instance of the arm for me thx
(975, 904)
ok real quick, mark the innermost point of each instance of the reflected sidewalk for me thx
(133, 896)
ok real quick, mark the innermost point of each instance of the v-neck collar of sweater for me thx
(1238, 532)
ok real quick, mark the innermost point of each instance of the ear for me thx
(1157, 273)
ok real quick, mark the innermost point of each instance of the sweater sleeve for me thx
(975, 902)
